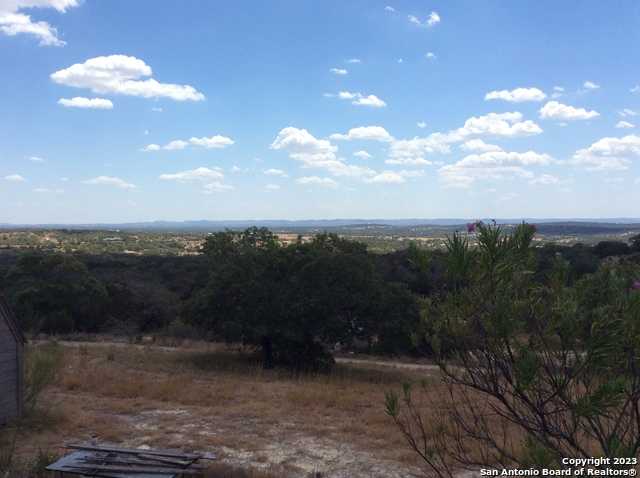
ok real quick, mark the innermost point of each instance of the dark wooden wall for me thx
(11, 374)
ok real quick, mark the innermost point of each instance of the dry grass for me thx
(223, 401)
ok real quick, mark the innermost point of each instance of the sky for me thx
(122, 111)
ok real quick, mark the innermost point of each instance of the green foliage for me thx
(294, 301)
(56, 293)
(556, 357)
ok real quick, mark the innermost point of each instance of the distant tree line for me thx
(293, 302)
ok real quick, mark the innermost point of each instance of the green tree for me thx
(294, 302)
(55, 293)
(535, 371)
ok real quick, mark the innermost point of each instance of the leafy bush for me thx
(535, 371)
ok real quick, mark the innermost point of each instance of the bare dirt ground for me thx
(213, 400)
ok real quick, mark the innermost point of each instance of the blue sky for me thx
(128, 111)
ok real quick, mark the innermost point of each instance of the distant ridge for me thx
(216, 225)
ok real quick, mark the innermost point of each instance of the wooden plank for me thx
(141, 470)
(134, 451)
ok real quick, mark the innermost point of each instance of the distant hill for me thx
(545, 226)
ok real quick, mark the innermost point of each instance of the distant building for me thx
(11, 365)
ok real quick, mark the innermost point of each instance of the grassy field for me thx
(214, 399)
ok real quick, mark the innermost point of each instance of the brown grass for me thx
(218, 400)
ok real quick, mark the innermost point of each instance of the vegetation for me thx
(294, 301)
(538, 366)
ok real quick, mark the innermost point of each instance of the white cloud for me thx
(413, 151)
(15, 178)
(387, 177)
(13, 22)
(354, 60)
(590, 85)
(494, 165)
(317, 181)
(421, 124)
(635, 89)
(198, 174)
(302, 146)
(499, 124)
(624, 125)
(608, 154)
(559, 111)
(276, 172)
(432, 20)
(389, 8)
(339, 71)
(211, 179)
(81, 102)
(213, 142)
(479, 145)
(36, 159)
(373, 133)
(627, 112)
(359, 99)
(157, 109)
(430, 55)
(272, 187)
(517, 95)
(362, 154)
(110, 181)
(121, 74)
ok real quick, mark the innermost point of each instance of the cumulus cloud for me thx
(421, 124)
(372, 133)
(413, 151)
(624, 125)
(339, 71)
(389, 8)
(312, 152)
(494, 165)
(559, 111)
(86, 103)
(393, 177)
(15, 178)
(519, 95)
(430, 55)
(110, 181)
(479, 145)
(590, 85)
(14, 22)
(213, 142)
(432, 20)
(362, 154)
(198, 174)
(317, 181)
(608, 154)
(275, 172)
(124, 75)
(36, 159)
(359, 99)
(210, 178)
(354, 60)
